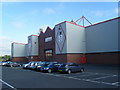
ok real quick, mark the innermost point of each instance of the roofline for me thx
(74, 24)
(70, 23)
(60, 23)
(19, 43)
(103, 22)
(34, 35)
(47, 28)
(50, 27)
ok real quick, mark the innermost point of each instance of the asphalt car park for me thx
(94, 76)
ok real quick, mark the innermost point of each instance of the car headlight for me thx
(66, 69)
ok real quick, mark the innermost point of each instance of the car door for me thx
(72, 67)
(75, 67)
(56, 67)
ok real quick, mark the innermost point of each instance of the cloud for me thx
(103, 13)
(33, 13)
(4, 38)
(5, 45)
(17, 24)
(97, 13)
(49, 11)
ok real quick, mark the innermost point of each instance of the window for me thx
(73, 64)
(48, 53)
(48, 39)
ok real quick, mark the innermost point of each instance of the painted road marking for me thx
(8, 84)
(88, 80)
(116, 83)
(85, 75)
(101, 73)
(104, 77)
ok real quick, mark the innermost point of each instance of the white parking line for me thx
(88, 80)
(8, 84)
(100, 73)
(98, 82)
(116, 83)
(85, 75)
(104, 77)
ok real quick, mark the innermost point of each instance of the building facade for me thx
(70, 42)
(102, 44)
(25, 52)
(47, 45)
(19, 52)
(32, 48)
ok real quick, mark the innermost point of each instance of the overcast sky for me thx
(21, 19)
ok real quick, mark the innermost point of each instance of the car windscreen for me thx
(45, 64)
(50, 65)
(62, 65)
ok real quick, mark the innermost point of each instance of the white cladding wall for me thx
(32, 45)
(60, 43)
(19, 50)
(71, 40)
(102, 37)
(75, 38)
(29, 47)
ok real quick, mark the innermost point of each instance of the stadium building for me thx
(70, 42)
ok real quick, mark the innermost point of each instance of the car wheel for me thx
(49, 70)
(82, 69)
(69, 71)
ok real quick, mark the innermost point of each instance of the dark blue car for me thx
(53, 67)
(43, 64)
(34, 66)
(70, 67)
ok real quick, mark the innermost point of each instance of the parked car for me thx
(39, 65)
(24, 66)
(7, 63)
(70, 67)
(30, 65)
(43, 64)
(53, 67)
(3, 63)
(34, 67)
(13, 64)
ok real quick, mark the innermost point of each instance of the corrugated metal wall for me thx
(102, 37)
(32, 45)
(19, 50)
(75, 38)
